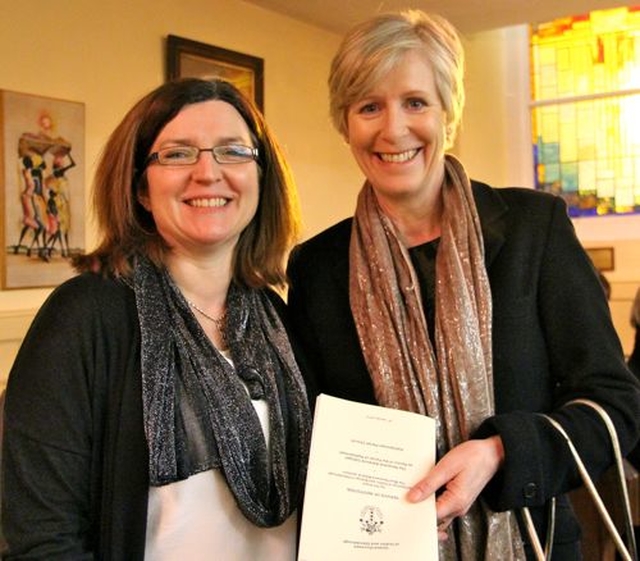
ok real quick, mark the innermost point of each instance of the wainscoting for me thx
(622, 295)
(13, 326)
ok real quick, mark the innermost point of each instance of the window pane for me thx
(585, 109)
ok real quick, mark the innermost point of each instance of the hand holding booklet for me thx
(363, 460)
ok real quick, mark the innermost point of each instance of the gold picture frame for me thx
(188, 58)
(603, 258)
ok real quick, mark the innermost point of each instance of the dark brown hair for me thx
(126, 230)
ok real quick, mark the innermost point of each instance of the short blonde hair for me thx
(372, 48)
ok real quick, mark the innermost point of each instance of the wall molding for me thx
(14, 324)
(13, 327)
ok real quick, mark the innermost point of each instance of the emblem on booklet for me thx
(371, 520)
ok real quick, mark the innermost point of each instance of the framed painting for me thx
(42, 189)
(187, 58)
(602, 258)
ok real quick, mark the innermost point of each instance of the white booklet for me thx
(363, 460)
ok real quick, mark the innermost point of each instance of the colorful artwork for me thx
(585, 107)
(42, 145)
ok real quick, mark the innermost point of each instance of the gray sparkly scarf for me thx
(197, 412)
(452, 380)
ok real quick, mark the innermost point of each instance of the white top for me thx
(197, 519)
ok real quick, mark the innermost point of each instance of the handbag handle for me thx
(629, 553)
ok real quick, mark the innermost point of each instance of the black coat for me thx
(634, 365)
(634, 357)
(553, 340)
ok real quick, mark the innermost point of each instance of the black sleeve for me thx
(583, 359)
(50, 413)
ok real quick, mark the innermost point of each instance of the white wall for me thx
(495, 141)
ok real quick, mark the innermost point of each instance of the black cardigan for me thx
(74, 451)
(553, 340)
(75, 457)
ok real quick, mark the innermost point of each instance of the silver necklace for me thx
(219, 322)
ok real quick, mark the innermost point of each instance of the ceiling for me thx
(469, 16)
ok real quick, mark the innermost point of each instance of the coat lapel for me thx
(492, 210)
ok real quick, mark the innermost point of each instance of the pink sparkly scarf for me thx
(453, 382)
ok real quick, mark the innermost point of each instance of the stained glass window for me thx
(585, 77)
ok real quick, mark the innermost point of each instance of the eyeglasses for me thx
(188, 155)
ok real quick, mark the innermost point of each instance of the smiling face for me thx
(397, 133)
(204, 206)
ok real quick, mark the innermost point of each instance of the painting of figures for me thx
(42, 178)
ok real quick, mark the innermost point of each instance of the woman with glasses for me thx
(156, 409)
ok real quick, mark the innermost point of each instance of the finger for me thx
(454, 502)
(420, 491)
(435, 479)
(443, 530)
